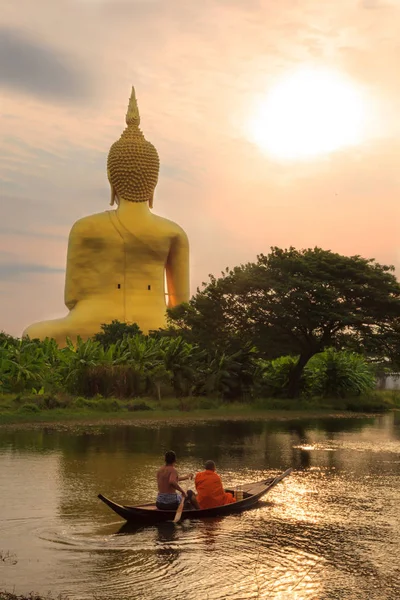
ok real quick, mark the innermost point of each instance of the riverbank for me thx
(32, 596)
(40, 409)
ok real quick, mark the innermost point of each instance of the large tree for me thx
(384, 347)
(294, 301)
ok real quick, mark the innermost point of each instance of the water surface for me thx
(329, 531)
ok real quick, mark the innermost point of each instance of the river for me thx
(329, 531)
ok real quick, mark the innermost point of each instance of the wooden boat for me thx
(149, 514)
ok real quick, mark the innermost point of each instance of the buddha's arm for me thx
(177, 270)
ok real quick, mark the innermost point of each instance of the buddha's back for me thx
(117, 266)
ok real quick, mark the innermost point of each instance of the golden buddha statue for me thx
(118, 260)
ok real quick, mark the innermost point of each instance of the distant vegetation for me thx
(295, 328)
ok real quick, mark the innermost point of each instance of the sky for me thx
(201, 71)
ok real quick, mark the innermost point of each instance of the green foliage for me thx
(341, 374)
(114, 332)
(393, 398)
(230, 375)
(139, 406)
(296, 302)
(328, 374)
(293, 404)
(207, 403)
(274, 376)
(27, 364)
(44, 377)
(29, 408)
(386, 342)
(134, 366)
(371, 403)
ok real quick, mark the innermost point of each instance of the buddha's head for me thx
(133, 163)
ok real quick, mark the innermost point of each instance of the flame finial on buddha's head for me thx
(132, 115)
(133, 163)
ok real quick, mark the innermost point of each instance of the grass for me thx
(47, 408)
(378, 401)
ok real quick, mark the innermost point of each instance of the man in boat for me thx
(168, 486)
(210, 492)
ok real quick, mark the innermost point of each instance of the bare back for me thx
(165, 476)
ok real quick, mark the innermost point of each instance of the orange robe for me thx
(210, 492)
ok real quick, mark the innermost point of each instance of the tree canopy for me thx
(295, 302)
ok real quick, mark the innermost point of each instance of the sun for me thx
(309, 113)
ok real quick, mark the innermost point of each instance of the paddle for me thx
(179, 511)
(180, 507)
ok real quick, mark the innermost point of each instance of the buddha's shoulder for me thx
(169, 227)
(91, 223)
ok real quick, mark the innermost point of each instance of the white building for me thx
(391, 381)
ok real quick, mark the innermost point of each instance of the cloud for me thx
(177, 173)
(27, 65)
(29, 233)
(13, 270)
(371, 4)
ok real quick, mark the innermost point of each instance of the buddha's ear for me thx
(112, 189)
(114, 197)
(151, 200)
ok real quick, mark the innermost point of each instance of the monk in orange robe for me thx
(210, 492)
